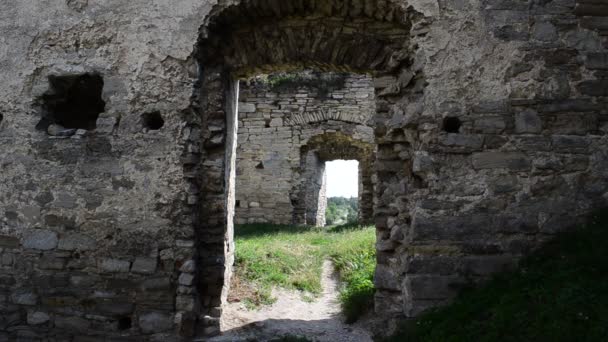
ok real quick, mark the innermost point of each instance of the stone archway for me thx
(241, 39)
(323, 148)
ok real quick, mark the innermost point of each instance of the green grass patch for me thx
(558, 294)
(292, 257)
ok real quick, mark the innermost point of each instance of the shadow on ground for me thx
(287, 330)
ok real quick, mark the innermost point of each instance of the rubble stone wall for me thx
(276, 182)
(491, 129)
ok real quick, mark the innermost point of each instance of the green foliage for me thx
(341, 210)
(559, 294)
(323, 82)
(292, 257)
(356, 262)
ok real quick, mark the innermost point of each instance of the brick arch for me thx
(260, 36)
(239, 41)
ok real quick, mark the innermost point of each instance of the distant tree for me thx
(341, 210)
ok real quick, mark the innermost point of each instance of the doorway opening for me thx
(242, 39)
(292, 128)
(342, 194)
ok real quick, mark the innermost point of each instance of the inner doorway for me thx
(342, 194)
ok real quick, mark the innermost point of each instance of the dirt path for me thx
(319, 320)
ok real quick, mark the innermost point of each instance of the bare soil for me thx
(291, 315)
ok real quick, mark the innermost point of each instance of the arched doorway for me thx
(241, 39)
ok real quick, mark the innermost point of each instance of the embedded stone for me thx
(114, 265)
(246, 107)
(188, 267)
(433, 286)
(528, 121)
(544, 31)
(144, 265)
(76, 241)
(8, 242)
(496, 160)
(40, 239)
(155, 322)
(186, 279)
(72, 323)
(24, 298)
(37, 317)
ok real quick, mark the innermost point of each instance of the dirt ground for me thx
(319, 320)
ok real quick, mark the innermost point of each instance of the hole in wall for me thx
(451, 124)
(1, 117)
(153, 120)
(260, 166)
(72, 102)
(124, 323)
(237, 203)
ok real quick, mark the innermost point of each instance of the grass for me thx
(559, 294)
(292, 257)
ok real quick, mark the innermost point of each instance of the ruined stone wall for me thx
(275, 122)
(96, 229)
(491, 122)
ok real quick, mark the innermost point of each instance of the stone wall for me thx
(280, 180)
(490, 124)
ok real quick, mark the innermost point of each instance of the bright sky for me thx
(342, 178)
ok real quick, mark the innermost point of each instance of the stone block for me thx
(463, 142)
(106, 124)
(545, 32)
(451, 228)
(386, 278)
(65, 200)
(184, 303)
(24, 297)
(40, 239)
(569, 143)
(7, 259)
(570, 105)
(490, 125)
(186, 279)
(155, 322)
(72, 324)
(8, 242)
(114, 265)
(152, 284)
(51, 262)
(594, 87)
(431, 264)
(432, 287)
(489, 264)
(188, 267)
(114, 308)
(144, 265)
(528, 121)
(597, 61)
(37, 318)
(76, 241)
(498, 160)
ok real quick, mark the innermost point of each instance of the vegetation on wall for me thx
(323, 82)
(341, 210)
(558, 294)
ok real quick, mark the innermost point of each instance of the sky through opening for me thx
(342, 178)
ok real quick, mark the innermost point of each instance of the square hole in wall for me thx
(73, 101)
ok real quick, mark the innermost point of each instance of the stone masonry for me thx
(280, 177)
(118, 147)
